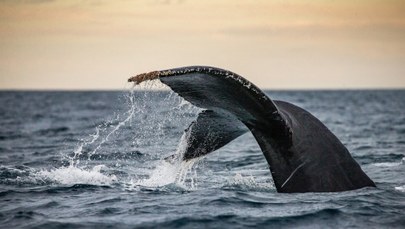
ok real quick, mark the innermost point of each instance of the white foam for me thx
(387, 164)
(400, 188)
(72, 175)
(167, 173)
(163, 174)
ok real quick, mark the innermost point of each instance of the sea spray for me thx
(154, 128)
(72, 175)
(400, 188)
(76, 173)
(129, 114)
(149, 132)
(75, 160)
(172, 170)
(166, 173)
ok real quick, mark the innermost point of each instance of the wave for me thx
(52, 131)
(232, 220)
(390, 164)
(387, 164)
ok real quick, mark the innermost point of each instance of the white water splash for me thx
(400, 188)
(174, 171)
(130, 113)
(100, 131)
(168, 173)
(74, 161)
(72, 175)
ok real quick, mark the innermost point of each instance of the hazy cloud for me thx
(297, 44)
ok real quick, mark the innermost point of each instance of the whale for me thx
(302, 153)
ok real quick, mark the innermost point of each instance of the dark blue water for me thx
(94, 159)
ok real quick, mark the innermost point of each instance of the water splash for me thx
(400, 188)
(102, 134)
(149, 132)
(75, 160)
(72, 175)
(75, 173)
(172, 171)
(167, 173)
(130, 113)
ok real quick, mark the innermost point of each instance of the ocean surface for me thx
(96, 159)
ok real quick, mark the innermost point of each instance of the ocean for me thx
(95, 159)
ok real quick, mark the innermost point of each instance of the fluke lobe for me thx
(303, 154)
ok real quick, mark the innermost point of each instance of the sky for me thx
(276, 44)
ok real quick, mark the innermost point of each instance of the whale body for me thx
(302, 153)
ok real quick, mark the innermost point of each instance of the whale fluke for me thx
(302, 153)
(211, 131)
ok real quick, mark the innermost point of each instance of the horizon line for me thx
(163, 89)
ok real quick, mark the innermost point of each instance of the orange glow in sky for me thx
(280, 44)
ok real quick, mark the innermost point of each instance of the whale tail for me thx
(303, 154)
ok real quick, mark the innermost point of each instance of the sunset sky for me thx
(278, 44)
